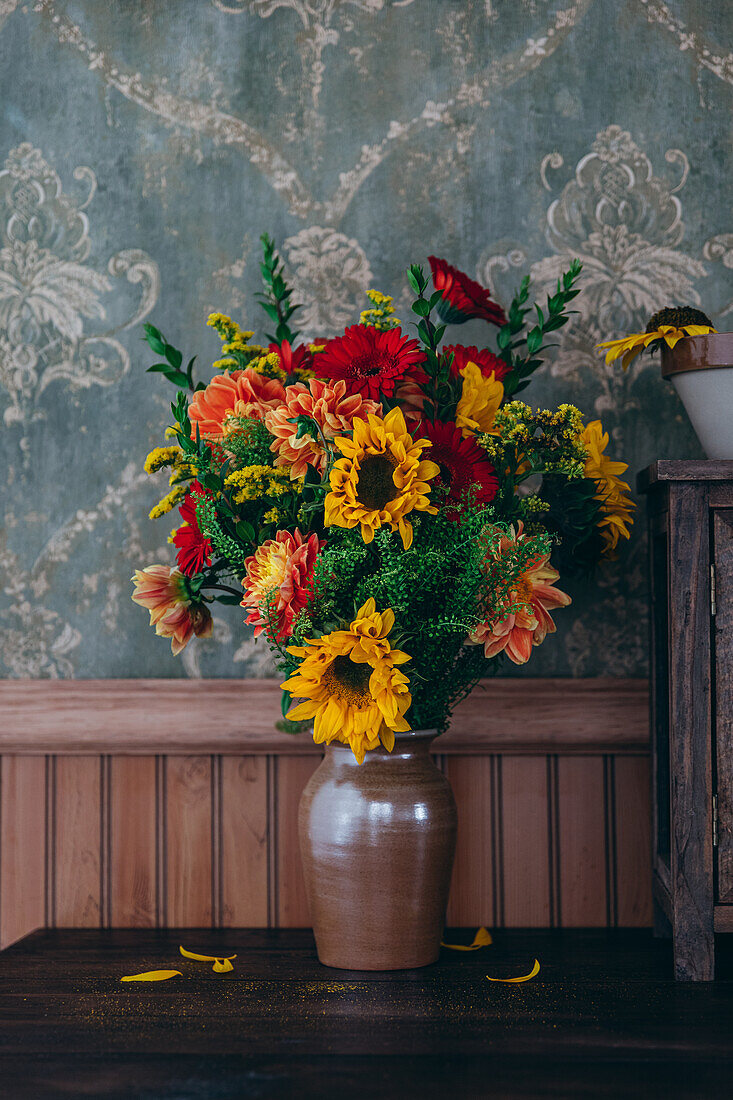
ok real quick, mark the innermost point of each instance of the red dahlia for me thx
(293, 360)
(371, 362)
(487, 362)
(194, 550)
(463, 465)
(463, 298)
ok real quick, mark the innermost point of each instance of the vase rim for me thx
(402, 741)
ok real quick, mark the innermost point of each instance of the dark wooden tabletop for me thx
(603, 1018)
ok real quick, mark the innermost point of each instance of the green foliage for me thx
(276, 299)
(511, 336)
(171, 368)
(451, 580)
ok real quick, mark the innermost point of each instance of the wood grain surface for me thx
(602, 1019)
(239, 716)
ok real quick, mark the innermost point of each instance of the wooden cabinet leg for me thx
(694, 956)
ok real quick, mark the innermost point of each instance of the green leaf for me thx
(245, 531)
(159, 368)
(286, 701)
(228, 598)
(534, 340)
(421, 307)
(504, 337)
(173, 356)
(211, 481)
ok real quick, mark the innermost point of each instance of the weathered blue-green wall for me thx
(145, 144)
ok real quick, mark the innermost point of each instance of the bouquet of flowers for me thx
(387, 512)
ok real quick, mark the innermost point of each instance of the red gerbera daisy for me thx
(485, 360)
(293, 360)
(463, 298)
(463, 465)
(371, 362)
(194, 550)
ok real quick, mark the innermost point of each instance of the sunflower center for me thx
(376, 486)
(348, 681)
(372, 363)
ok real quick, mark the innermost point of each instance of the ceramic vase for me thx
(701, 370)
(377, 842)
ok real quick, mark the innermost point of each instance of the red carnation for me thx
(464, 467)
(194, 550)
(293, 360)
(463, 298)
(371, 362)
(485, 360)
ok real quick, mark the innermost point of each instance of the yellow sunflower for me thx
(616, 505)
(380, 479)
(479, 401)
(669, 325)
(350, 684)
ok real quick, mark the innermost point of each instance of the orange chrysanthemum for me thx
(173, 613)
(243, 393)
(279, 582)
(333, 411)
(529, 625)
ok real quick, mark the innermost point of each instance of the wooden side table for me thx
(690, 510)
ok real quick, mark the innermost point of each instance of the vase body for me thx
(701, 369)
(377, 841)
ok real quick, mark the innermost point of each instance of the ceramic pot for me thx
(701, 370)
(377, 841)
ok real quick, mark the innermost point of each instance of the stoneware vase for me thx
(701, 370)
(377, 841)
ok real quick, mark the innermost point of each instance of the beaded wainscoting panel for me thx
(553, 821)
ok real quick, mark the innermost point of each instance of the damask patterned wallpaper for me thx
(145, 144)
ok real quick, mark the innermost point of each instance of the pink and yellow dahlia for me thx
(243, 393)
(530, 623)
(279, 582)
(333, 411)
(163, 591)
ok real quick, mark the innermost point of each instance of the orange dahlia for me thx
(163, 591)
(527, 626)
(333, 411)
(463, 298)
(243, 393)
(194, 549)
(279, 582)
(464, 467)
(487, 362)
(371, 362)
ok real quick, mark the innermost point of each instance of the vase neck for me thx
(413, 743)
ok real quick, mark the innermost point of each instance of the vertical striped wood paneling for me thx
(198, 840)
(77, 842)
(189, 841)
(24, 877)
(291, 775)
(243, 848)
(132, 820)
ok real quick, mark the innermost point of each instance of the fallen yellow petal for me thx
(524, 978)
(152, 976)
(222, 964)
(481, 939)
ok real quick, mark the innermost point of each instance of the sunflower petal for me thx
(515, 981)
(152, 976)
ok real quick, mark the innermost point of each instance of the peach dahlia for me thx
(333, 411)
